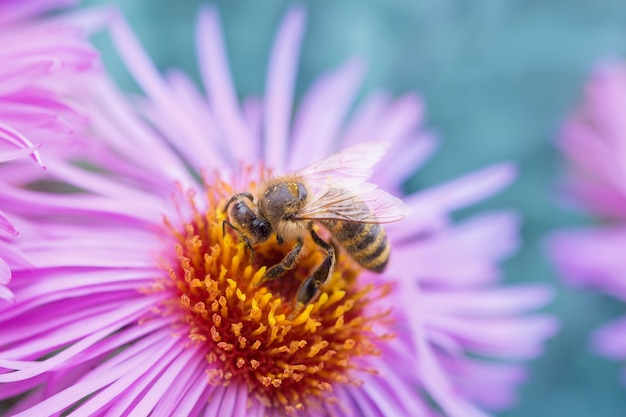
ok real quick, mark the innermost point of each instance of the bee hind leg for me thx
(309, 289)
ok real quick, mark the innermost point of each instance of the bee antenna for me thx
(229, 224)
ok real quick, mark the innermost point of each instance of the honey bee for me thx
(332, 192)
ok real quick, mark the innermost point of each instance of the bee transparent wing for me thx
(341, 191)
(347, 168)
(365, 203)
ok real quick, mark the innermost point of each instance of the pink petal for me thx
(403, 161)
(12, 137)
(115, 320)
(610, 340)
(466, 190)
(79, 205)
(219, 86)
(485, 302)
(14, 257)
(389, 394)
(114, 119)
(98, 183)
(233, 401)
(592, 256)
(5, 277)
(11, 11)
(511, 338)
(461, 256)
(124, 394)
(280, 83)
(434, 204)
(321, 114)
(195, 397)
(71, 395)
(187, 380)
(191, 141)
(115, 379)
(474, 375)
(431, 374)
(399, 120)
(6, 228)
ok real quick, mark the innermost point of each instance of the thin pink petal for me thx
(473, 375)
(485, 302)
(192, 141)
(321, 114)
(126, 392)
(195, 396)
(117, 378)
(430, 371)
(391, 395)
(79, 205)
(399, 120)
(511, 338)
(233, 401)
(114, 119)
(592, 256)
(5, 277)
(14, 138)
(11, 11)
(365, 120)
(610, 340)
(280, 83)
(163, 384)
(6, 294)
(71, 395)
(6, 228)
(398, 166)
(466, 190)
(176, 394)
(431, 207)
(219, 86)
(116, 319)
(460, 256)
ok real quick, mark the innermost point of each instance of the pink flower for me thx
(133, 299)
(594, 143)
(38, 56)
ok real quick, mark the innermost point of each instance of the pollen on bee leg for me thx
(289, 356)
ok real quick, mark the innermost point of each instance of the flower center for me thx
(288, 359)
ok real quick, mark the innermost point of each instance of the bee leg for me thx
(241, 236)
(286, 264)
(309, 289)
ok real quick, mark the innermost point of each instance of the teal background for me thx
(498, 77)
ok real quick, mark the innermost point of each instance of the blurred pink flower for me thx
(594, 143)
(151, 316)
(38, 57)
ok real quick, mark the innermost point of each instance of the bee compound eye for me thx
(242, 211)
(262, 229)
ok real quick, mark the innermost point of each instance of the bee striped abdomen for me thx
(366, 242)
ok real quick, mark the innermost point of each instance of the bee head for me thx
(243, 217)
